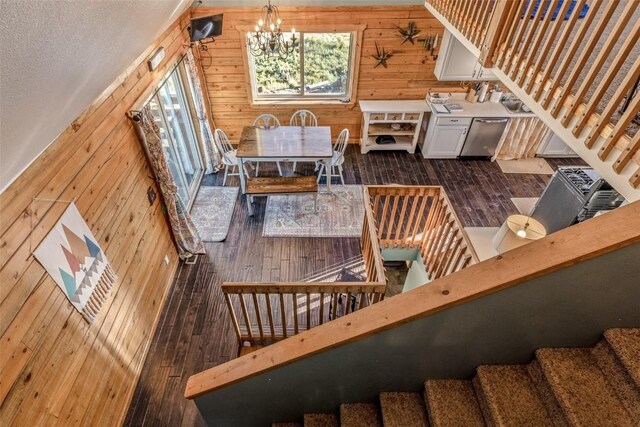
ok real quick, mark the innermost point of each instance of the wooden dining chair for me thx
(337, 159)
(303, 118)
(228, 153)
(266, 121)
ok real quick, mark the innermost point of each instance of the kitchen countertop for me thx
(478, 109)
(408, 106)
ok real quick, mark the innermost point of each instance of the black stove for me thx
(585, 180)
(572, 195)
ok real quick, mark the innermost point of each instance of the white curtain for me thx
(521, 139)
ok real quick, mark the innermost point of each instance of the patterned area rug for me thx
(339, 214)
(212, 212)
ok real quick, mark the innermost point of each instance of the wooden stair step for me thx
(286, 184)
(585, 396)
(403, 410)
(320, 420)
(452, 403)
(508, 397)
(360, 415)
(626, 345)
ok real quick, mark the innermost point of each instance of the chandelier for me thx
(268, 38)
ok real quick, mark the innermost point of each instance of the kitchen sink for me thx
(516, 107)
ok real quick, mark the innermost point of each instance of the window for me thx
(320, 67)
(179, 141)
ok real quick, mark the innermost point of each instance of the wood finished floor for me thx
(195, 332)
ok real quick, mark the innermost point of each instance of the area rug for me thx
(339, 214)
(212, 212)
(535, 165)
(524, 205)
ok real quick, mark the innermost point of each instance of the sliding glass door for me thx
(179, 141)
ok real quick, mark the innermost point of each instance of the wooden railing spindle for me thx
(283, 314)
(258, 315)
(270, 314)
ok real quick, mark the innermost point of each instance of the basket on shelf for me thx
(438, 97)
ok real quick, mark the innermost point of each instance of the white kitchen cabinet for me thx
(455, 62)
(445, 137)
(555, 147)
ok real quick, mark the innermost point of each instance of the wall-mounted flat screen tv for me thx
(206, 27)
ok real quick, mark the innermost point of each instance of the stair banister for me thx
(541, 267)
(538, 59)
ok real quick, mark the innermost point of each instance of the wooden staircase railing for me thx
(563, 69)
(441, 330)
(270, 312)
(421, 217)
(263, 313)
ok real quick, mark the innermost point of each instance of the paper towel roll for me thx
(495, 96)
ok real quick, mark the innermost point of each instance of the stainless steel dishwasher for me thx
(483, 137)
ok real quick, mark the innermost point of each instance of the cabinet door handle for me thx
(491, 121)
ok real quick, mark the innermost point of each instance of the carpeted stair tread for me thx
(508, 397)
(618, 377)
(546, 394)
(360, 415)
(626, 344)
(581, 389)
(452, 403)
(403, 410)
(320, 420)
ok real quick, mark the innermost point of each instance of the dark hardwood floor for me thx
(195, 332)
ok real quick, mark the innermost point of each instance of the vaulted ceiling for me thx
(57, 57)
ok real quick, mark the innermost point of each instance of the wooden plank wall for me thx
(409, 74)
(55, 368)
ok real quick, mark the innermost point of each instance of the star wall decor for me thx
(410, 34)
(382, 56)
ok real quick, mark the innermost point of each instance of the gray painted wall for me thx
(567, 308)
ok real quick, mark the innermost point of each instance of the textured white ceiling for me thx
(57, 57)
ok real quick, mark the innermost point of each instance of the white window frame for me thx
(349, 97)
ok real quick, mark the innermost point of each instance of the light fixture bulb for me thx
(257, 29)
(261, 22)
(279, 21)
(272, 27)
(521, 233)
(293, 30)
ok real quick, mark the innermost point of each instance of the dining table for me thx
(284, 143)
